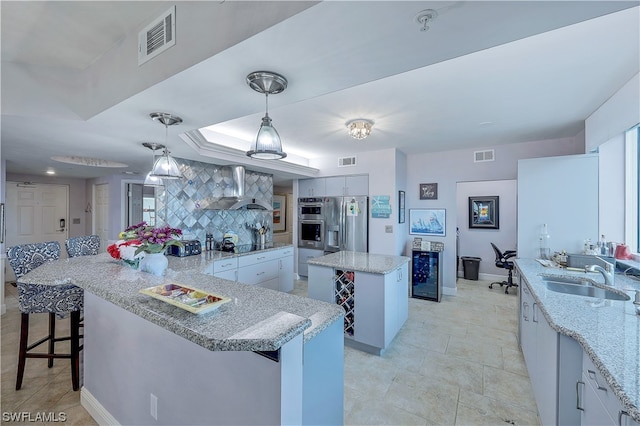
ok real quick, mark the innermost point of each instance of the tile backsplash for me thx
(178, 203)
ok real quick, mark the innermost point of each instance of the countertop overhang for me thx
(256, 319)
(358, 261)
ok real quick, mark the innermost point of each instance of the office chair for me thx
(502, 261)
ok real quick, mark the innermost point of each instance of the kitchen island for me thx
(579, 348)
(372, 289)
(146, 361)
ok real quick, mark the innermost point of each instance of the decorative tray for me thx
(188, 298)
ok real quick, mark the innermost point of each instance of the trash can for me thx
(470, 266)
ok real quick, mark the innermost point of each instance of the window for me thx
(632, 196)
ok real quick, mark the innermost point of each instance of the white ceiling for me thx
(485, 74)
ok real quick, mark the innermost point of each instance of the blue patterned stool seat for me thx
(83, 246)
(60, 300)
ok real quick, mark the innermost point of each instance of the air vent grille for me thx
(482, 156)
(157, 37)
(346, 161)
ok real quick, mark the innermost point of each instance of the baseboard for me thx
(449, 291)
(95, 409)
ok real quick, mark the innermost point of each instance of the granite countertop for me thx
(256, 319)
(608, 331)
(357, 261)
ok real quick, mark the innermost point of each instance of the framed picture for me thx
(401, 211)
(484, 212)
(428, 191)
(279, 213)
(427, 222)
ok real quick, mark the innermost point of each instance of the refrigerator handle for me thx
(343, 224)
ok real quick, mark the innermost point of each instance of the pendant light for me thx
(152, 180)
(267, 145)
(165, 166)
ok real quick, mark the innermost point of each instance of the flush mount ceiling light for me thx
(267, 145)
(165, 166)
(152, 180)
(360, 128)
(424, 17)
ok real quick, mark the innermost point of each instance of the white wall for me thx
(611, 189)
(618, 114)
(450, 167)
(477, 242)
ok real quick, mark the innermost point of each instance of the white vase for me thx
(154, 263)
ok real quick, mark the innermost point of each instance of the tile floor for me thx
(453, 363)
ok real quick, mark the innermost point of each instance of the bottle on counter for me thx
(544, 251)
(602, 245)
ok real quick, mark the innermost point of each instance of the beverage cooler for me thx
(426, 276)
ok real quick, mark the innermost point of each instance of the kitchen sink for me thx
(583, 290)
(567, 280)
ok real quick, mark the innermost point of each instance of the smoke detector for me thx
(425, 17)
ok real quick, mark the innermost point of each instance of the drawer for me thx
(285, 252)
(225, 264)
(252, 259)
(258, 273)
(593, 376)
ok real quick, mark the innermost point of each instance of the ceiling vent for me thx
(346, 161)
(482, 156)
(157, 37)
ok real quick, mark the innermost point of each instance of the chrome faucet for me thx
(607, 272)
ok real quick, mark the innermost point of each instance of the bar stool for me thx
(83, 246)
(57, 300)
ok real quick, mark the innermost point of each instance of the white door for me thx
(101, 213)
(36, 213)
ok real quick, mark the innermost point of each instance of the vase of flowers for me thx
(148, 245)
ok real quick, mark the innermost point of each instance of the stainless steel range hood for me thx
(236, 200)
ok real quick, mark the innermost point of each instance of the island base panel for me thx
(128, 358)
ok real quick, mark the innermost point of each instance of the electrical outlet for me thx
(154, 406)
(388, 229)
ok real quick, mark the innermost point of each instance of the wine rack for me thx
(344, 290)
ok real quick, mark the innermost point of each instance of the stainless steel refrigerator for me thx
(346, 224)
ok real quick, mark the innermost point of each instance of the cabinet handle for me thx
(260, 273)
(534, 317)
(592, 376)
(525, 309)
(261, 257)
(578, 402)
(620, 414)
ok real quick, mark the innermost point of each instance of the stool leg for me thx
(52, 337)
(75, 349)
(22, 352)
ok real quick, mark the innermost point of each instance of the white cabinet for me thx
(553, 362)
(334, 186)
(226, 268)
(347, 185)
(376, 305)
(270, 269)
(285, 272)
(597, 402)
(304, 254)
(311, 187)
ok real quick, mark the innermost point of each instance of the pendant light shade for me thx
(165, 166)
(150, 179)
(267, 145)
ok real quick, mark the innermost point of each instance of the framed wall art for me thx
(401, 211)
(279, 213)
(428, 191)
(427, 222)
(484, 212)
